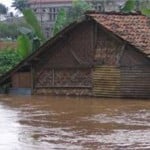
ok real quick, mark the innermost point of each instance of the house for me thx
(104, 54)
(47, 10)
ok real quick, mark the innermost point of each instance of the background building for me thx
(47, 10)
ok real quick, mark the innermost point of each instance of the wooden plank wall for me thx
(135, 82)
(126, 82)
(21, 80)
(106, 81)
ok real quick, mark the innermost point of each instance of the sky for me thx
(8, 4)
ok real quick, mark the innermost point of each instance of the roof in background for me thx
(134, 28)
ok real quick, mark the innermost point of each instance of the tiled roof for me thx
(134, 28)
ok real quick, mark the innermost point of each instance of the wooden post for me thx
(53, 77)
(32, 79)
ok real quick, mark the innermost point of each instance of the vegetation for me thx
(9, 28)
(8, 31)
(29, 37)
(33, 37)
(79, 7)
(61, 21)
(24, 45)
(20, 4)
(31, 19)
(8, 59)
(137, 5)
(65, 17)
(3, 10)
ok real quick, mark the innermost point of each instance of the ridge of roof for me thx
(113, 13)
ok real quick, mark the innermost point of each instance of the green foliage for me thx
(129, 6)
(35, 44)
(36, 36)
(78, 9)
(146, 12)
(33, 22)
(24, 46)
(60, 21)
(8, 59)
(65, 17)
(137, 5)
(8, 30)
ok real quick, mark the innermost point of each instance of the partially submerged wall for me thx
(64, 82)
(121, 70)
(65, 67)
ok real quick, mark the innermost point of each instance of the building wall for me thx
(121, 70)
(21, 80)
(106, 74)
(135, 74)
(135, 82)
(66, 65)
(108, 48)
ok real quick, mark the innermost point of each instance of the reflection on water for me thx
(42, 123)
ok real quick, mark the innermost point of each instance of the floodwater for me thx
(67, 123)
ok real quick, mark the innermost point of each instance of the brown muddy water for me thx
(64, 123)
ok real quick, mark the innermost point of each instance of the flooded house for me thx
(103, 54)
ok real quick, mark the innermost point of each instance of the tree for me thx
(9, 28)
(28, 42)
(20, 4)
(61, 21)
(65, 17)
(30, 17)
(79, 7)
(100, 5)
(8, 59)
(137, 5)
(3, 10)
(24, 46)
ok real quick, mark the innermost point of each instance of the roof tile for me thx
(134, 28)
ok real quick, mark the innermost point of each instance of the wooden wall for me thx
(135, 82)
(73, 50)
(106, 81)
(67, 64)
(21, 80)
(135, 74)
(67, 78)
(121, 70)
(107, 49)
(124, 82)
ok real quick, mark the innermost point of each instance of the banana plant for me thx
(29, 39)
